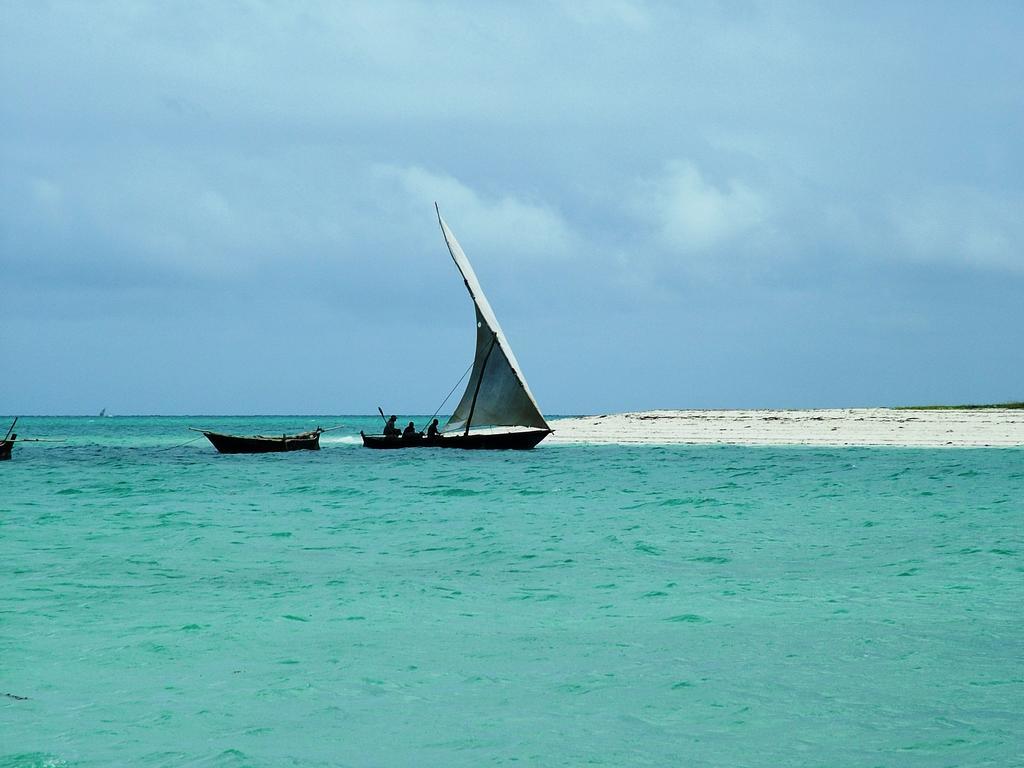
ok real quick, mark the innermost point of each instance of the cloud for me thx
(275, 154)
(691, 214)
(496, 222)
(965, 226)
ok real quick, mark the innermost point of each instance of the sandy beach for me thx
(840, 426)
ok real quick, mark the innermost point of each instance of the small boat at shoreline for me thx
(497, 410)
(304, 441)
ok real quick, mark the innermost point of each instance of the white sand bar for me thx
(840, 426)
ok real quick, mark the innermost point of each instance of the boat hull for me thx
(5, 449)
(501, 441)
(309, 441)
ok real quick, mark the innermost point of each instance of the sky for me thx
(227, 208)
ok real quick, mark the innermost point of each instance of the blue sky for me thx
(228, 207)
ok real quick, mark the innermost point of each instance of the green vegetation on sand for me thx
(958, 407)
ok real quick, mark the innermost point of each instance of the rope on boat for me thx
(181, 445)
(450, 393)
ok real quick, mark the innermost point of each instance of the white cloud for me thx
(692, 214)
(504, 223)
(961, 225)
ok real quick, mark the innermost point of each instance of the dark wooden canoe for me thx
(499, 441)
(306, 441)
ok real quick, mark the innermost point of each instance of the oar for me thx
(379, 410)
(12, 428)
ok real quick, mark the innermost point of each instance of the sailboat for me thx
(497, 410)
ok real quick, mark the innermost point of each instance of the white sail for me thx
(497, 393)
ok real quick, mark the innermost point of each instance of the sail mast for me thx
(479, 381)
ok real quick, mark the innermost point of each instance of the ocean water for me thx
(163, 605)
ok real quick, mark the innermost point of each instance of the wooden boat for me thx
(500, 441)
(305, 441)
(497, 409)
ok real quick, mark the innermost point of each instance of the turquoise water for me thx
(569, 606)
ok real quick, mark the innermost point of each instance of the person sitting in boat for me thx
(390, 430)
(432, 431)
(410, 432)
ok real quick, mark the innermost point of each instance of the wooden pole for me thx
(479, 381)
